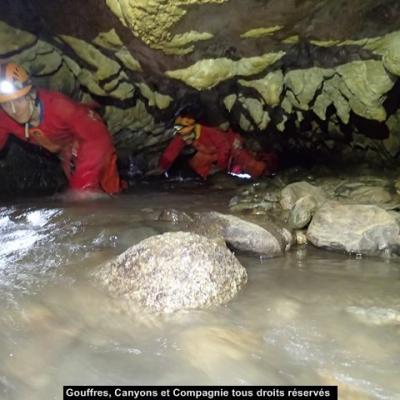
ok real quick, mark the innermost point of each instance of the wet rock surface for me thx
(355, 212)
(171, 272)
(302, 212)
(247, 236)
(367, 191)
(298, 190)
(259, 236)
(360, 229)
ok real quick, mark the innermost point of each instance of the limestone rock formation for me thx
(171, 272)
(152, 20)
(14, 40)
(206, 74)
(277, 71)
(270, 87)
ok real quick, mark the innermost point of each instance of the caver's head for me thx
(16, 95)
(184, 125)
(185, 120)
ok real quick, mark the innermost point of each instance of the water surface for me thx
(308, 318)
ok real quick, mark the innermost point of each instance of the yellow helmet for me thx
(14, 82)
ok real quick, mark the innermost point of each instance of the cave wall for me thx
(312, 77)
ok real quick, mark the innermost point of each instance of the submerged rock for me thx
(175, 216)
(171, 272)
(375, 315)
(364, 229)
(349, 389)
(212, 348)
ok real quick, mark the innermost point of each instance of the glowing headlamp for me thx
(240, 175)
(177, 128)
(6, 87)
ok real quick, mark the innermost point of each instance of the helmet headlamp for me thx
(6, 87)
(177, 128)
(14, 82)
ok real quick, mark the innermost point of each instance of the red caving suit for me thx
(214, 148)
(77, 135)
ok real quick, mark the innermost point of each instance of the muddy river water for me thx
(309, 318)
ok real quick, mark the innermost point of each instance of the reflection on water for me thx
(311, 317)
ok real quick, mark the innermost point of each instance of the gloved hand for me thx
(154, 172)
(237, 144)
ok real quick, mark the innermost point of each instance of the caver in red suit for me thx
(77, 135)
(215, 149)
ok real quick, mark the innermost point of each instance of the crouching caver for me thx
(72, 131)
(215, 150)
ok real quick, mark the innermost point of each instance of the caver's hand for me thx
(237, 144)
(155, 172)
(81, 195)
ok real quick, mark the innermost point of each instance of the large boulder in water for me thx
(268, 240)
(363, 229)
(173, 271)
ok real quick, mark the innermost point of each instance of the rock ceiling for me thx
(318, 73)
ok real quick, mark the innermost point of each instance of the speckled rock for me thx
(171, 272)
(175, 216)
